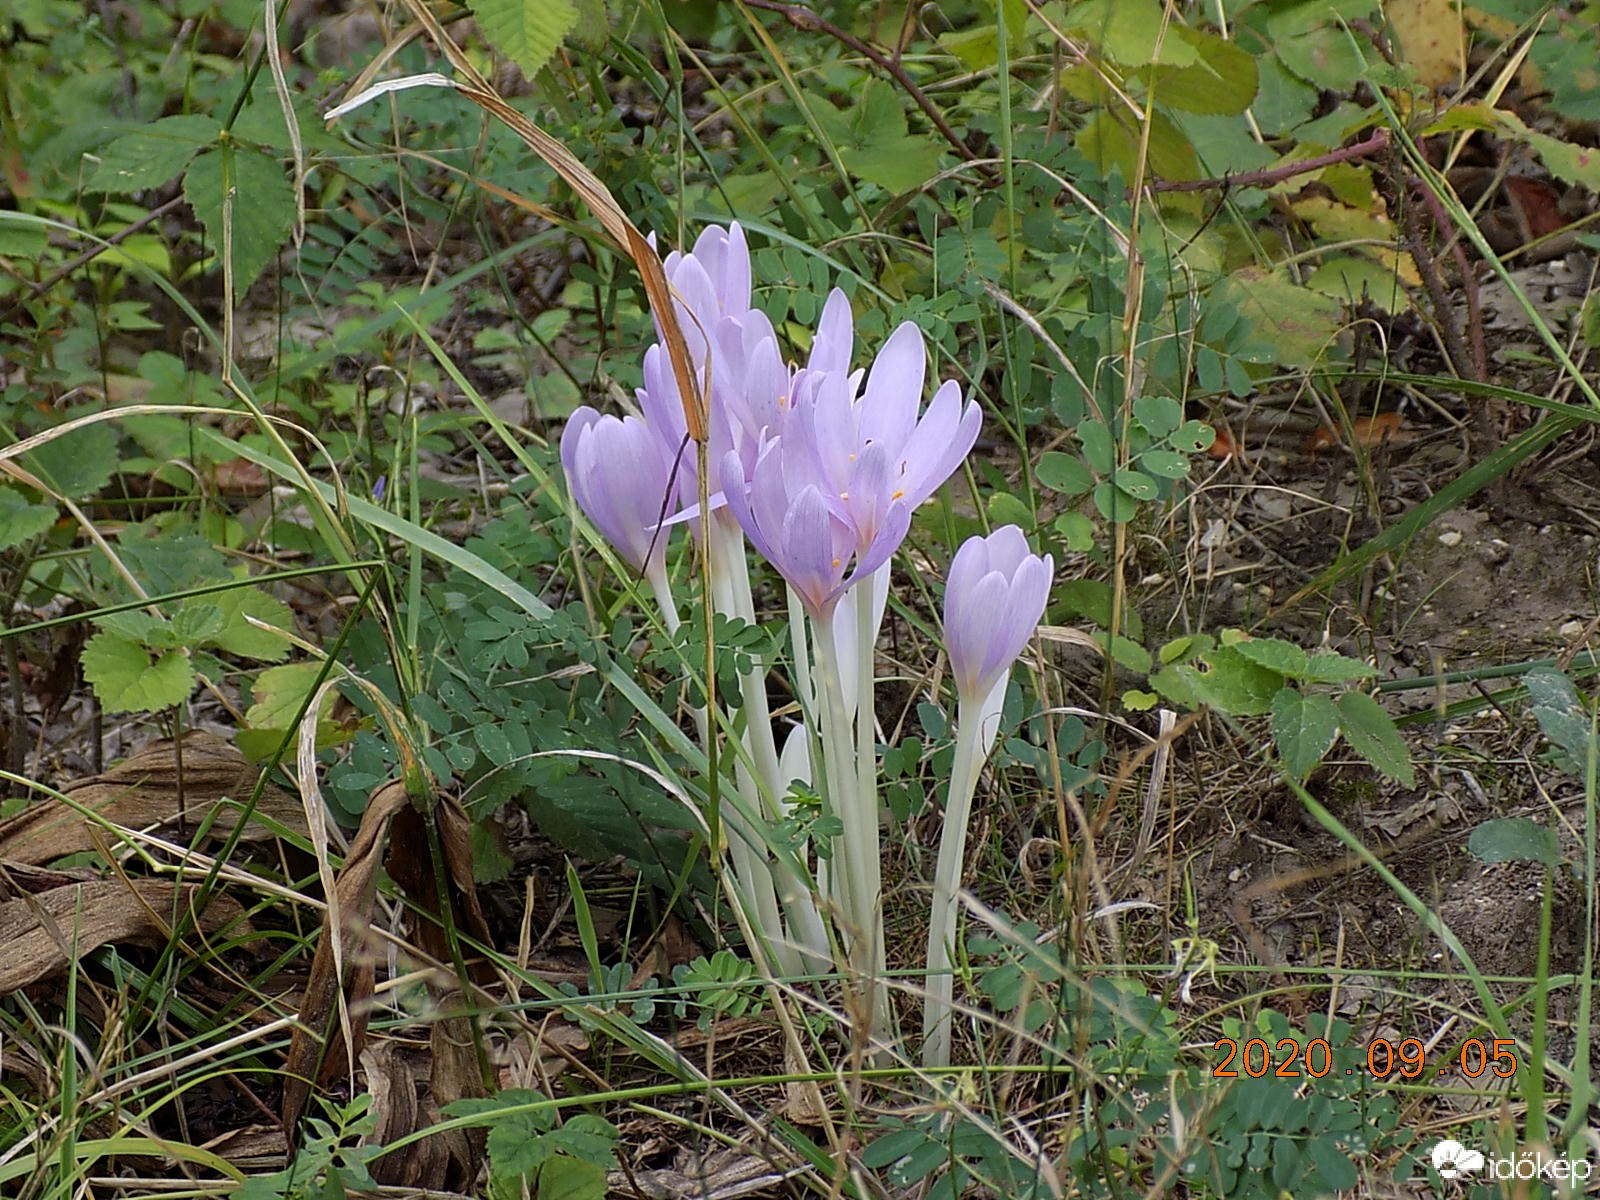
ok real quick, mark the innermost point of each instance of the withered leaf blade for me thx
(43, 934)
(152, 789)
(351, 905)
(316, 1052)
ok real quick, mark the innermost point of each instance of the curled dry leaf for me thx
(43, 934)
(405, 1098)
(332, 1027)
(152, 789)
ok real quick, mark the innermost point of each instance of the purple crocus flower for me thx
(993, 599)
(621, 474)
(711, 287)
(800, 530)
(872, 449)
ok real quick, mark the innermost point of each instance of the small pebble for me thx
(1450, 537)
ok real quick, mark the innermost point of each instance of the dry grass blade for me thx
(154, 789)
(43, 934)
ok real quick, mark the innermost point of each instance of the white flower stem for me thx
(802, 941)
(867, 786)
(853, 890)
(970, 753)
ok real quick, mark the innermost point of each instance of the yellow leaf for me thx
(1429, 37)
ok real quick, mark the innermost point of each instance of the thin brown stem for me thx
(1379, 141)
(809, 21)
(92, 253)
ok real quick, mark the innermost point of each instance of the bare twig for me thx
(89, 255)
(1378, 142)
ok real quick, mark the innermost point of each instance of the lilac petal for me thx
(894, 388)
(737, 493)
(892, 530)
(809, 551)
(869, 487)
(969, 620)
(970, 564)
(1008, 550)
(941, 441)
(835, 340)
(581, 419)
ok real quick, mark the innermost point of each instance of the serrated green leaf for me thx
(1064, 473)
(132, 625)
(155, 155)
(1303, 728)
(262, 209)
(1514, 839)
(20, 519)
(125, 679)
(1234, 684)
(1336, 668)
(1283, 657)
(238, 636)
(280, 692)
(525, 31)
(879, 149)
(1220, 81)
(78, 463)
(1299, 323)
(1372, 735)
(196, 623)
(567, 1178)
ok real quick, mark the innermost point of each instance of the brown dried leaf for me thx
(406, 1098)
(43, 934)
(313, 1055)
(151, 789)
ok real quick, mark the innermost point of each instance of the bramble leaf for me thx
(262, 208)
(20, 520)
(1303, 728)
(1372, 735)
(154, 155)
(525, 31)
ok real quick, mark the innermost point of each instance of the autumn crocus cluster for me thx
(818, 467)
